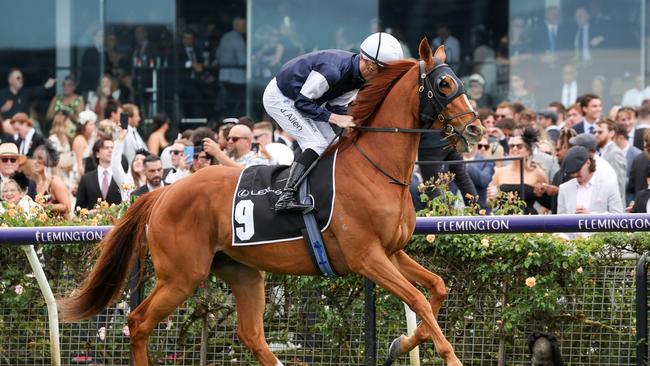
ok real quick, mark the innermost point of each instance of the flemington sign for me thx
(53, 234)
(532, 224)
(424, 225)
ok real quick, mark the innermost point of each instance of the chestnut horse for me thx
(187, 229)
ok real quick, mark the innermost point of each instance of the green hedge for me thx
(501, 287)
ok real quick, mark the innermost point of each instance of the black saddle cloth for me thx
(254, 221)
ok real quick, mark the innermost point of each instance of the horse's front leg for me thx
(416, 274)
(378, 268)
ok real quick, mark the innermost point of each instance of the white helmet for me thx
(381, 48)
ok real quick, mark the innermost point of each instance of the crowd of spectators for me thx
(575, 158)
(84, 160)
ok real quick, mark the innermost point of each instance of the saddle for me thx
(254, 220)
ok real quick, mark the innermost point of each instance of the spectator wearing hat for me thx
(548, 121)
(477, 92)
(586, 192)
(610, 152)
(28, 138)
(641, 199)
(10, 160)
(588, 141)
(84, 140)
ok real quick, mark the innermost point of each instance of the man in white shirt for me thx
(133, 141)
(179, 169)
(586, 193)
(609, 151)
(452, 46)
(634, 96)
(569, 85)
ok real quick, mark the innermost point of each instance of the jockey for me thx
(313, 90)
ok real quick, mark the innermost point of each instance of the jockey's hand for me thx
(342, 121)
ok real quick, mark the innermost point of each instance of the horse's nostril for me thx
(474, 130)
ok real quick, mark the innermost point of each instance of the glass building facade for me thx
(534, 51)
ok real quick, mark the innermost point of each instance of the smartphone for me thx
(255, 146)
(189, 154)
(124, 120)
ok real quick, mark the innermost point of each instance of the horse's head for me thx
(443, 103)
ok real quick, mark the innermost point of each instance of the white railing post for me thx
(52, 312)
(411, 324)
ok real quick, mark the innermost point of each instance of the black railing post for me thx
(642, 311)
(370, 354)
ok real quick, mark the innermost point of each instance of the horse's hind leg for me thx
(247, 286)
(379, 269)
(179, 267)
(417, 274)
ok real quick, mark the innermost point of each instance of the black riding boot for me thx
(288, 202)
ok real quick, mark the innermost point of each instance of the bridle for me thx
(432, 103)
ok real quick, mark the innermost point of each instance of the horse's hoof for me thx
(394, 351)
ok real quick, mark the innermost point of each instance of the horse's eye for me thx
(444, 83)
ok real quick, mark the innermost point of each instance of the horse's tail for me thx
(125, 243)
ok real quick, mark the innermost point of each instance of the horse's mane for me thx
(370, 97)
(374, 92)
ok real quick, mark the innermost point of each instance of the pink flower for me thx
(431, 238)
(18, 289)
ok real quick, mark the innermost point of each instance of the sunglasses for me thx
(235, 138)
(516, 146)
(483, 146)
(176, 152)
(9, 160)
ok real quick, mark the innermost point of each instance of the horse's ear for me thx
(425, 51)
(440, 56)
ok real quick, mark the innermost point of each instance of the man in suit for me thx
(621, 139)
(610, 152)
(637, 181)
(99, 183)
(569, 92)
(28, 138)
(588, 37)
(193, 91)
(133, 141)
(641, 198)
(592, 110)
(153, 171)
(642, 125)
(550, 36)
(586, 193)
